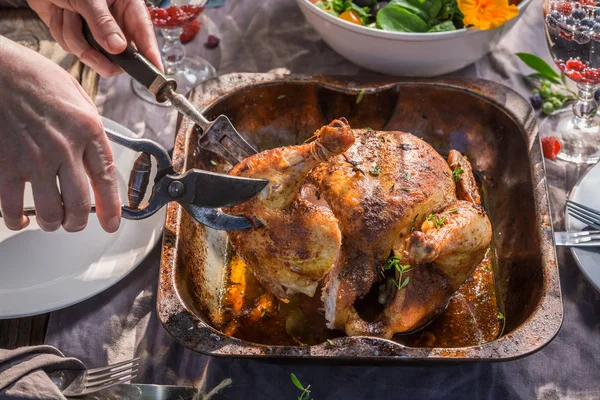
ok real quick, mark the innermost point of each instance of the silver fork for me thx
(81, 383)
(585, 214)
(577, 239)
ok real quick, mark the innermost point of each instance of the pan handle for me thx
(137, 66)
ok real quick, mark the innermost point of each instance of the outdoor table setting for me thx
(187, 300)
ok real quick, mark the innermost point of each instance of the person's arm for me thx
(51, 135)
(112, 22)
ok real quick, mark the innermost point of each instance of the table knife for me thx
(577, 239)
(138, 391)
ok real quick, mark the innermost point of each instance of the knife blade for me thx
(577, 239)
(138, 391)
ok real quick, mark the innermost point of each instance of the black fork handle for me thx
(135, 65)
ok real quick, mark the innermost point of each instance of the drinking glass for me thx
(170, 17)
(573, 35)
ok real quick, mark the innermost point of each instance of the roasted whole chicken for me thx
(370, 215)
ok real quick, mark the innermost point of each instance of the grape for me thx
(548, 108)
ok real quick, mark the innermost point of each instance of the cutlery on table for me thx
(577, 239)
(79, 383)
(585, 214)
(138, 391)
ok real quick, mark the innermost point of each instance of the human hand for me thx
(51, 129)
(111, 22)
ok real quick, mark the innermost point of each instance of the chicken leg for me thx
(295, 242)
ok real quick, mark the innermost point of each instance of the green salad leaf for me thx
(336, 7)
(443, 27)
(448, 10)
(424, 9)
(398, 19)
(333, 7)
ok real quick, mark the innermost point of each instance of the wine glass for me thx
(171, 17)
(573, 35)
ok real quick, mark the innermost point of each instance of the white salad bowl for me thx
(405, 53)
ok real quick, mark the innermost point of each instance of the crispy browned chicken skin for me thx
(297, 242)
(390, 192)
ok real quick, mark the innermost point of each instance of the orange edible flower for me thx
(487, 14)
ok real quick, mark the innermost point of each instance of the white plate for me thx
(42, 272)
(586, 192)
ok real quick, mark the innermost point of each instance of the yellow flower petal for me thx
(486, 14)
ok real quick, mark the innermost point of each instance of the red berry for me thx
(551, 147)
(592, 74)
(567, 35)
(575, 75)
(575, 65)
(172, 11)
(190, 31)
(212, 42)
(564, 8)
(161, 13)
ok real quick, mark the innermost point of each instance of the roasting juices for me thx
(573, 34)
(251, 313)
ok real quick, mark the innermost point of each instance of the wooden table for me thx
(23, 26)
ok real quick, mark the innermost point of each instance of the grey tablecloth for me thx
(121, 322)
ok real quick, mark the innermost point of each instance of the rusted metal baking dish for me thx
(488, 122)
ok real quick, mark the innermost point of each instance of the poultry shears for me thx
(201, 193)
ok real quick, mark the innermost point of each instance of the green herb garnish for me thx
(500, 315)
(213, 162)
(458, 171)
(375, 170)
(393, 187)
(405, 189)
(360, 96)
(412, 224)
(356, 168)
(408, 175)
(381, 139)
(394, 263)
(437, 220)
(330, 341)
(305, 390)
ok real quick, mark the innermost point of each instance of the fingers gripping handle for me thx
(135, 65)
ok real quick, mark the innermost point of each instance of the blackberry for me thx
(587, 22)
(579, 13)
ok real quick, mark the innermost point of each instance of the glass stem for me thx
(173, 51)
(585, 106)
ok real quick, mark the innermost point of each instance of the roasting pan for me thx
(490, 123)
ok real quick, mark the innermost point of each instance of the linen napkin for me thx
(23, 372)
